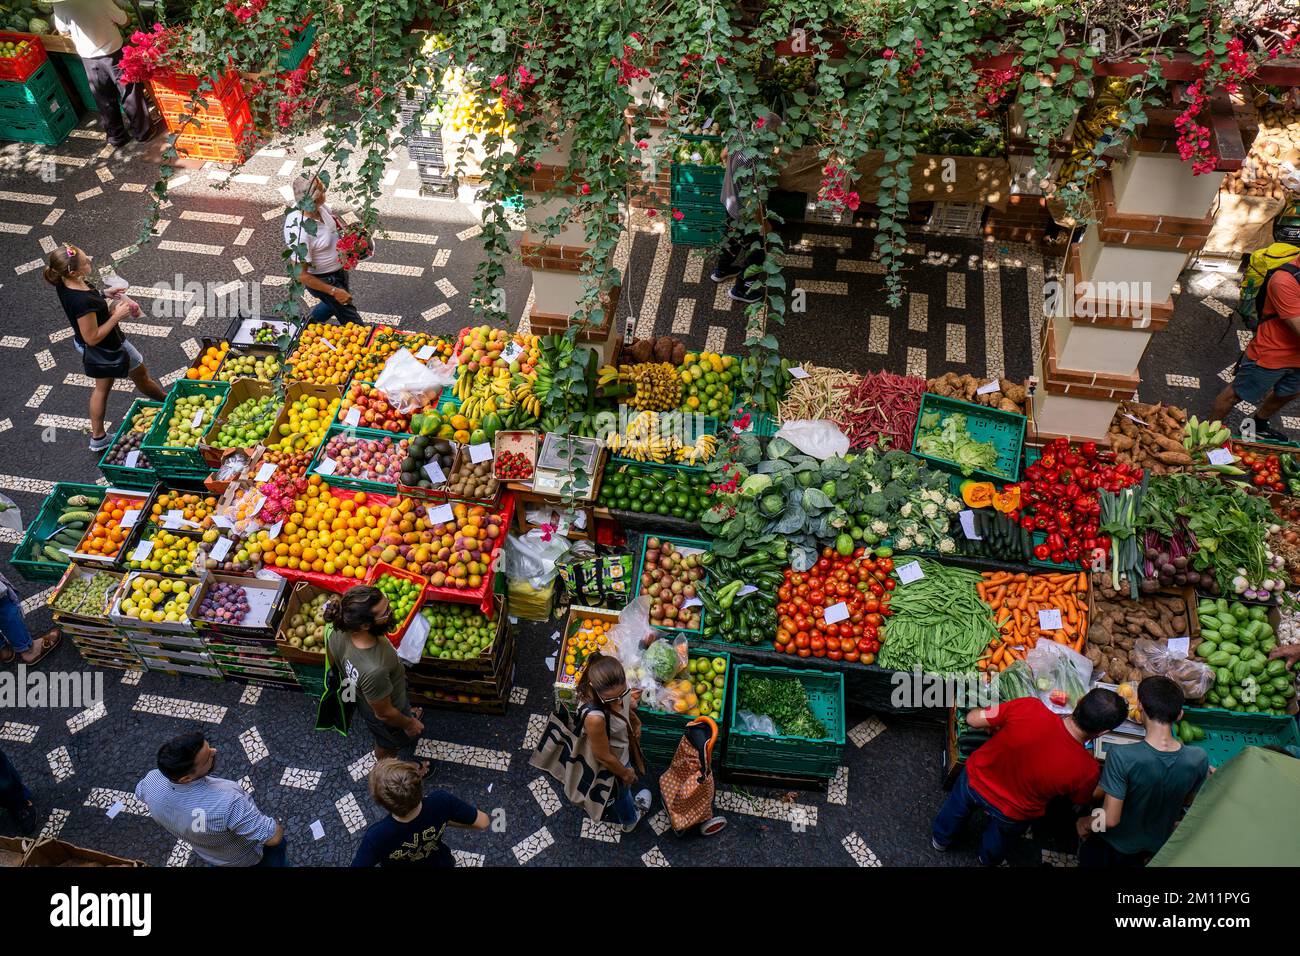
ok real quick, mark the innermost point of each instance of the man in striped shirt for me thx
(213, 815)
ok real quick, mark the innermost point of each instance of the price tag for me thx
(434, 471)
(332, 347)
(317, 830)
(425, 353)
(968, 525)
(221, 521)
(326, 467)
(175, 518)
(910, 572)
(836, 613)
(707, 123)
(1179, 646)
(129, 518)
(273, 532)
(412, 647)
(512, 352)
(1049, 619)
(133, 458)
(692, 602)
(1220, 456)
(1134, 418)
(989, 388)
(197, 420)
(480, 453)
(266, 471)
(797, 372)
(221, 549)
(746, 589)
(142, 550)
(440, 515)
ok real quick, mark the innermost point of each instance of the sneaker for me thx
(643, 800)
(629, 827)
(1264, 430)
(717, 275)
(937, 845)
(102, 442)
(748, 294)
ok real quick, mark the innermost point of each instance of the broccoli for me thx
(875, 504)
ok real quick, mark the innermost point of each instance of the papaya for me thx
(1007, 500)
(977, 494)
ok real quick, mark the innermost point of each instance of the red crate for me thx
(19, 68)
(378, 570)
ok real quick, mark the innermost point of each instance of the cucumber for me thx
(75, 526)
(76, 516)
(54, 554)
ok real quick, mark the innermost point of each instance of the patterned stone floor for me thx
(970, 307)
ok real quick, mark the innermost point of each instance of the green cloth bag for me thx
(334, 712)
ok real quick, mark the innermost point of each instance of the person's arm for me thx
(1286, 652)
(252, 824)
(481, 822)
(385, 711)
(367, 855)
(92, 333)
(277, 837)
(115, 13)
(977, 718)
(594, 726)
(463, 815)
(341, 296)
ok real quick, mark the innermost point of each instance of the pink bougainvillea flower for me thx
(642, 144)
(852, 200)
(888, 54)
(760, 123)
(678, 215)
(586, 189)
(652, 212)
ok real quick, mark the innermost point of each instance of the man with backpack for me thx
(1268, 372)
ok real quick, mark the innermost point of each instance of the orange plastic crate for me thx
(19, 68)
(378, 570)
(230, 125)
(210, 147)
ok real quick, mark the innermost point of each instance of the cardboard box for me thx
(241, 390)
(266, 602)
(301, 594)
(133, 623)
(93, 617)
(565, 685)
(56, 853)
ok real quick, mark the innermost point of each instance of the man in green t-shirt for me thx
(1144, 785)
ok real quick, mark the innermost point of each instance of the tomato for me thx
(847, 644)
(817, 643)
(816, 597)
(868, 658)
(887, 564)
(804, 652)
(851, 656)
(889, 584)
(834, 655)
(824, 564)
(872, 605)
(874, 620)
(784, 593)
(877, 589)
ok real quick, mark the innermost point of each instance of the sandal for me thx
(426, 768)
(7, 655)
(50, 640)
(417, 713)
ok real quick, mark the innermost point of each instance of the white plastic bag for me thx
(409, 384)
(532, 559)
(754, 724)
(1061, 674)
(816, 437)
(115, 288)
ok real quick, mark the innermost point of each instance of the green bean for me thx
(938, 623)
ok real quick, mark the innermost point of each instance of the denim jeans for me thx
(329, 307)
(277, 855)
(623, 809)
(13, 794)
(962, 801)
(13, 629)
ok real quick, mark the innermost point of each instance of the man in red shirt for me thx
(1268, 374)
(1033, 757)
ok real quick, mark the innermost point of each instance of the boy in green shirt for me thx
(1144, 785)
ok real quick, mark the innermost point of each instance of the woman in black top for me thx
(94, 324)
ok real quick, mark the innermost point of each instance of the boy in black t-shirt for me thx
(412, 833)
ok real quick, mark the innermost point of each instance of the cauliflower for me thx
(908, 527)
(953, 505)
(929, 509)
(903, 543)
(906, 510)
(947, 545)
(922, 539)
(880, 527)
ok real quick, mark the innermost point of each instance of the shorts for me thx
(136, 358)
(390, 738)
(1252, 381)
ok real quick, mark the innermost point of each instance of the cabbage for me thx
(661, 660)
(755, 485)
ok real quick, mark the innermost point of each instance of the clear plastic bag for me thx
(409, 384)
(532, 558)
(815, 437)
(754, 724)
(1154, 658)
(646, 654)
(1061, 674)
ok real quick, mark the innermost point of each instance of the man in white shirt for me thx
(93, 25)
(312, 239)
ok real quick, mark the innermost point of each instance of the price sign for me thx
(221, 521)
(1220, 456)
(142, 550)
(480, 453)
(353, 417)
(326, 467)
(836, 613)
(797, 372)
(1049, 619)
(707, 123)
(440, 515)
(175, 518)
(266, 471)
(746, 589)
(221, 549)
(332, 347)
(197, 420)
(434, 471)
(133, 458)
(273, 532)
(692, 602)
(512, 352)
(988, 388)
(910, 572)
(968, 525)
(1179, 646)
(129, 518)
(425, 353)
(117, 807)
(1134, 418)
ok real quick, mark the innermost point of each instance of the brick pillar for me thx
(1117, 286)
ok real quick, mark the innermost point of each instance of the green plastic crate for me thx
(291, 58)
(794, 756)
(661, 722)
(35, 128)
(75, 71)
(708, 425)
(34, 569)
(176, 462)
(356, 484)
(1227, 732)
(684, 233)
(691, 174)
(1005, 430)
(701, 215)
(690, 194)
(683, 543)
(35, 91)
(120, 475)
